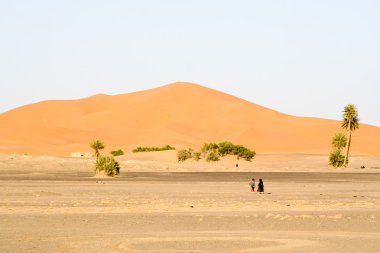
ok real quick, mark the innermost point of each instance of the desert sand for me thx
(178, 114)
(54, 204)
(50, 202)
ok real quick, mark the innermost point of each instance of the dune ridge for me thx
(180, 114)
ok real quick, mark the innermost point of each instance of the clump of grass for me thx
(150, 149)
(209, 147)
(184, 154)
(212, 157)
(107, 165)
(117, 152)
(197, 156)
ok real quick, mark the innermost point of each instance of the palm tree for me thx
(97, 145)
(339, 141)
(350, 123)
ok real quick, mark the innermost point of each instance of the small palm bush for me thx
(96, 146)
(336, 158)
(117, 152)
(338, 142)
(107, 165)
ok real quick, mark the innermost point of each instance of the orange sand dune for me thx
(179, 114)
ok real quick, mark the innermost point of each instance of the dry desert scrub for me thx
(106, 165)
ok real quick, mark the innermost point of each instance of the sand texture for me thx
(179, 114)
(50, 204)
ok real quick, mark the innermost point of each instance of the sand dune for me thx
(179, 114)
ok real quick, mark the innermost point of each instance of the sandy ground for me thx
(50, 204)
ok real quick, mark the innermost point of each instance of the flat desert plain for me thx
(54, 204)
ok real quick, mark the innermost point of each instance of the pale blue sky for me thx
(305, 58)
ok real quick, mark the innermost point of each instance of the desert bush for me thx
(196, 156)
(208, 147)
(150, 149)
(212, 156)
(243, 152)
(213, 151)
(226, 148)
(117, 152)
(168, 147)
(107, 165)
(183, 155)
(336, 158)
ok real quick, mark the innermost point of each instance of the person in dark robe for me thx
(260, 188)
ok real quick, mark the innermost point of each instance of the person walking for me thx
(252, 184)
(260, 188)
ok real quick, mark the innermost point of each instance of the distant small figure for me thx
(237, 165)
(260, 187)
(362, 167)
(252, 184)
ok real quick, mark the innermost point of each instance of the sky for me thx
(303, 58)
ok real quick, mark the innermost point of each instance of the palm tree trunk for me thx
(348, 145)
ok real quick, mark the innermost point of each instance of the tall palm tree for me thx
(97, 145)
(350, 123)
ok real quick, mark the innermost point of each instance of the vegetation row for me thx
(212, 152)
(149, 149)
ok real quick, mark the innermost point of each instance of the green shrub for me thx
(168, 147)
(208, 147)
(247, 154)
(243, 152)
(117, 152)
(212, 157)
(213, 151)
(226, 148)
(150, 149)
(336, 158)
(196, 156)
(183, 155)
(107, 165)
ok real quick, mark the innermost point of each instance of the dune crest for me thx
(180, 114)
